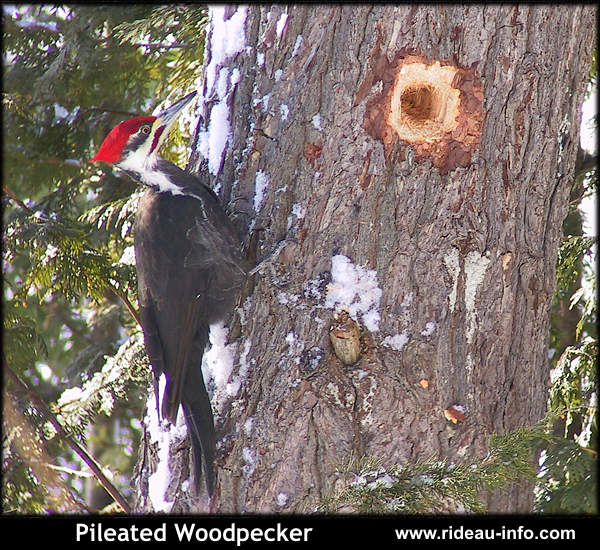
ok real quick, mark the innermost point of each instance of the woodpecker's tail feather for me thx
(190, 392)
(198, 414)
(199, 420)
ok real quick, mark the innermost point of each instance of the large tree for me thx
(412, 167)
(357, 150)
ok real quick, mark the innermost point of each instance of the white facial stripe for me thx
(159, 181)
(139, 161)
(143, 165)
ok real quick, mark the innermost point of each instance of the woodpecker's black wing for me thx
(190, 270)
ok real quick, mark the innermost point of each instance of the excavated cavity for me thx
(424, 104)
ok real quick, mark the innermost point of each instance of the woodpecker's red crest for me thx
(111, 150)
(140, 136)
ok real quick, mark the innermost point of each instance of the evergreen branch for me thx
(20, 436)
(76, 447)
(78, 405)
(130, 307)
(17, 199)
(89, 249)
(433, 485)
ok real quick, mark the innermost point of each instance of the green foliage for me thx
(70, 289)
(22, 344)
(120, 375)
(177, 36)
(437, 486)
(570, 254)
(568, 479)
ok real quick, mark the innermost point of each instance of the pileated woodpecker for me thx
(189, 267)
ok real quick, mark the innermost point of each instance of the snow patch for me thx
(297, 45)
(128, 256)
(250, 461)
(281, 24)
(263, 101)
(429, 329)
(217, 363)
(261, 182)
(316, 122)
(285, 112)
(227, 39)
(396, 342)
(355, 289)
(162, 433)
(299, 211)
(248, 425)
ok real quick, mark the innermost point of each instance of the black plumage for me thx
(190, 271)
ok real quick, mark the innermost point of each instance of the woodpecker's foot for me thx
(270, 258)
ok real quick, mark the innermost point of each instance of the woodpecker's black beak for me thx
(165, 120)
(168, 116)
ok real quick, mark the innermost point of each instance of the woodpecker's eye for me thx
(145, 129)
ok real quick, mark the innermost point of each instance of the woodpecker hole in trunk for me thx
(435, 107)
(417, 103)
(424, 104)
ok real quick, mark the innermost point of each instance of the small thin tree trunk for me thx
(441, 190)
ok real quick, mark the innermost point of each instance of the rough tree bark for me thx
(459, 222)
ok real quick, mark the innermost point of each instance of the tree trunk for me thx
(426, 152)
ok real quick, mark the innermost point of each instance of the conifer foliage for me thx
(70, 309)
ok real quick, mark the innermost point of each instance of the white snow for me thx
(261, 183)
(290, 338)
(297, 45)
(218, 360)
(396, 342)
(429, 329)
(213, 142)
(227, 39)
(354, 288)
(250, 460)
(128, 256)
(158, 482)
(282, 498)
(287, 298)
(299, 211)
(51, 253)
(281, 24)
(263, 101)
(222, 82)
(60, 112)
(244, 363)
(316, 122)
(248, 426)
(218, 366)
(285, 111)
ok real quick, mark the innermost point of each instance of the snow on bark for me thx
(225, 39)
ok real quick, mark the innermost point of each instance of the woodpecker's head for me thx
(133, 144)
